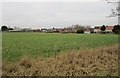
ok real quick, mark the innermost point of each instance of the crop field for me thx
(18, 45)
(55, 54)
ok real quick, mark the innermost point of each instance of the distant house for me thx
(97, 29)
(108, 29)
(88, 30)
(44, 30)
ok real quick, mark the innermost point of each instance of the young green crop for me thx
(17, 45)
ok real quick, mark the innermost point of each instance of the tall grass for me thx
(89, 62)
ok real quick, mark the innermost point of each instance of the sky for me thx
(56, 14)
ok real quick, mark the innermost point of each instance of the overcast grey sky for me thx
(56, 14)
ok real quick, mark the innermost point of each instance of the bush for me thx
(4, 28)
(103, 28)
(116, 29)
(80, 31)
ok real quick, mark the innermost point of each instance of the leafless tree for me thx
(116, 11)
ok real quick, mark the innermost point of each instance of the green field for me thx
(18, 45)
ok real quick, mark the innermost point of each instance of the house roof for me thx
(97, 27)
(109, 27)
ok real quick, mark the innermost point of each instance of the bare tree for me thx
(116, 11)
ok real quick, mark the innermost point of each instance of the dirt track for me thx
(91, 62)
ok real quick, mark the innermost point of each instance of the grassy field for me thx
(18, 45)
(65, 54)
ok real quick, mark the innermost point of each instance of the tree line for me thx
(116, 29)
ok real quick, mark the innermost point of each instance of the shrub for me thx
(103, 28)
(116, 29)
(80, 31)
(4, 28)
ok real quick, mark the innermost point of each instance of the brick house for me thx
(108, 29)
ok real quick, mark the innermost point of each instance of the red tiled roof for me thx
(109, 27)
